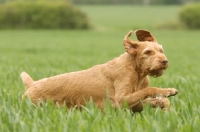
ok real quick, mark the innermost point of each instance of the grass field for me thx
(135, 17)
(43, 53)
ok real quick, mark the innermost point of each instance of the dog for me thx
(124, 79)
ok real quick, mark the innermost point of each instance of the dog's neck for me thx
(131, 63)
(128, 62)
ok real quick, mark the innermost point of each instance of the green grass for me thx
(135, 17)
(44, 53)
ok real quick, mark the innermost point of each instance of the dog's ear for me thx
(130, 45)
(143, 35)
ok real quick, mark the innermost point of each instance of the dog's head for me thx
(147, 53)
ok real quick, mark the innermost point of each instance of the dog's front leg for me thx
(161, 102)
(133, 99)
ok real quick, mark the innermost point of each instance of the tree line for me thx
(132, 2)
(137, 2)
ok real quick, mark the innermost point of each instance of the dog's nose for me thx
(164, 62)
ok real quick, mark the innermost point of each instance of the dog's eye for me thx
(147, 52)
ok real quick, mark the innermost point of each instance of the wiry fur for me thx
(123, 79)
(26, 79)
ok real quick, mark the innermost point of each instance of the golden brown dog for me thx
(123, 79)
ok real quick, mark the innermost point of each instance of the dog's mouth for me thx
(157, 73)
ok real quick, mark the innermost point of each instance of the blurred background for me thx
(99, 14)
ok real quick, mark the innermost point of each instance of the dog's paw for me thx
(171, 92)
(161, 102)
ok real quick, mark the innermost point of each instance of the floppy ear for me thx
(130, 45)
(143, 35)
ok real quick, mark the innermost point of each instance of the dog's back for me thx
(72, 88)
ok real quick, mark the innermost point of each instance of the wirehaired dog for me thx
(123, 79)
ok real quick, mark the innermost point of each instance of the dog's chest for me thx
(141, 84)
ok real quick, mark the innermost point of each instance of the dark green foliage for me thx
(143, 2)
(41, 15)
(190, 15)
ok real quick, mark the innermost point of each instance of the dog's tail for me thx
(26, 79)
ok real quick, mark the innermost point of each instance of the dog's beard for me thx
(157, 70)
(156, 73)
